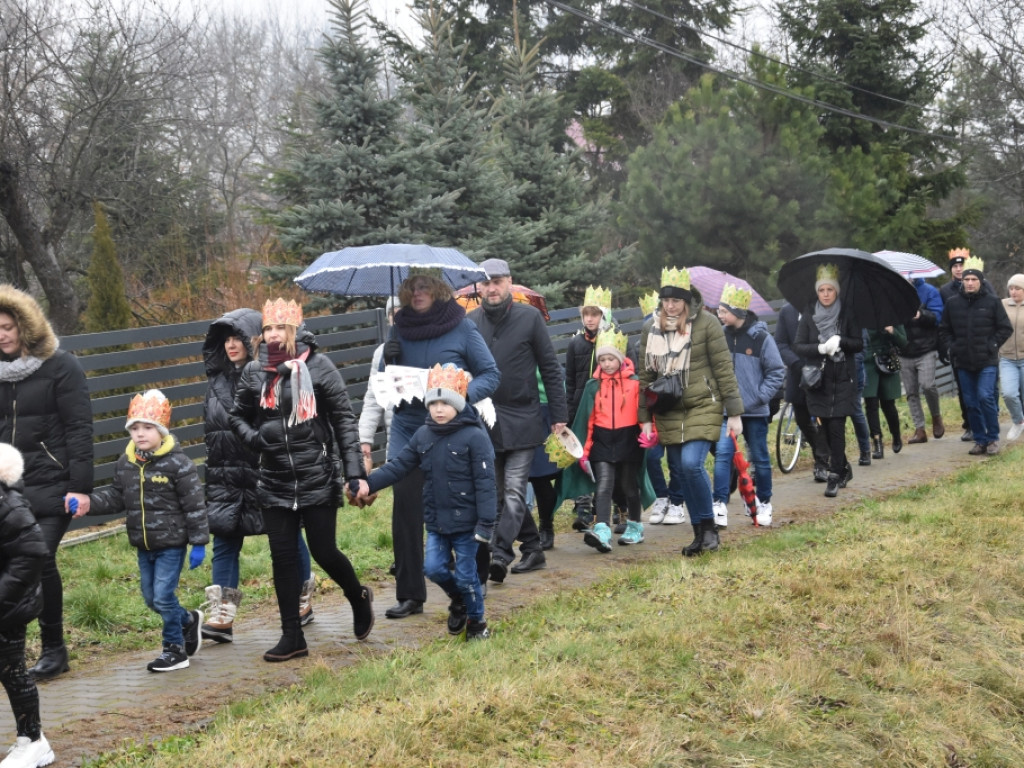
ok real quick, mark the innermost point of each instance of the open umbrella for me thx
(876, 293)
(470, 299)
(910, 265)
(378, 270)
(710, 282)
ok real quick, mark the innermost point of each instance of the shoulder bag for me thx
(664, 393)
(811, 375)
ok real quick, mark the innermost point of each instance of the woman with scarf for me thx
(292, 408)
(46, 414)
(430, 328)
(684, 340)
(828, 337)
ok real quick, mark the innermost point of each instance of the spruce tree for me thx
(107, 308)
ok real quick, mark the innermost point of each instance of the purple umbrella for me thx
(711, 281)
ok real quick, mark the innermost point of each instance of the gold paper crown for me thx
(281, 312)
(649, 303)
(677, 278)
(598, 297)
(448, 376)
(959, 253)
(736, 297)
(611, 338)
(827, 272)
(974, 262)
(563, 449)
(152, 407)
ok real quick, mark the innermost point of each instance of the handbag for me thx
(812, 375)
(664, 393)
(888, 362)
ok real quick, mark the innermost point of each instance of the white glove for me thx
(832, 345)
(823, 349)
(734, 424)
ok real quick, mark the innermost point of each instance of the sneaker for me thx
(193, 640)
(676, 515)
(456, 617)
(992, 449)
(764, 513)
(477, 630)
(599, 537)
(967, 436)
(26, 753)
(978, 449)
(1015, 431)
(721, 514)
(172, 658)
(658, 510)
(634, 533)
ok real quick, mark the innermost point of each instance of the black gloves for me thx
(392, 351)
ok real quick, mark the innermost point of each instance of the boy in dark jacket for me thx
(460, 497)
(157, 487)
(22, 553)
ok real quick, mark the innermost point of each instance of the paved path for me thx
(94, 707)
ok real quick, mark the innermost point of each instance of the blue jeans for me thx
(462, 584)
(512, 471)
(226, 550)
(755, 435)
(860, 422)
(686, 467)
(979, 389)
(159, 572)
(1011, 382)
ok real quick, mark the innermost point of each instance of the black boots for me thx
(876, 444)
(54, 658)
(865, 458)
(897, 441)
(292, 644)
(705, 538)
(832, 489)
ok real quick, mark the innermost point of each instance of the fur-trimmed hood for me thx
(37, 336)
(12, 465)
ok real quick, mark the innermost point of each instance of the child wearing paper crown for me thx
(460, 501)
(157, 487)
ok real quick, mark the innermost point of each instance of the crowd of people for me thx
(467, 457)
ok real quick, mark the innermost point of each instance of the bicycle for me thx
(788, 439)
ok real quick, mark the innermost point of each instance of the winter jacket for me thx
(372, 412)
(47, 414)
(232, 470)
(885, 386)
(22, 549)
(580, 363)
(459, 487)
(710, 388)
(837, 396)
(519, 341)
(757, 363)
(785, 335)
(973, 328)
(613, 429)
(301, 464)
(161, 498)
(923, 331)
(1013, 347)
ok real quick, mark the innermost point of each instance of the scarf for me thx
(20, 368)
(668, 351)
(497, 311)
(272, 357)
(826, 319)
(442, 317)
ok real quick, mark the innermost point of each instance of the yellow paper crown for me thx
(563, 448)
(974, 262)
(827, 272)
(281, 312)
(598, 297)
(649, 303)
(736, 297)
(448, 376)
(677, 278)
(612, 339)
(152, 407)
(959, 253)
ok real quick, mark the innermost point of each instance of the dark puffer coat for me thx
(300, 464)
(46, 415)
(973, 328)
(837, 396)
(232, 470)
(22, 549)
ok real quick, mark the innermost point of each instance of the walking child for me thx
(460, 501)
(157, 487)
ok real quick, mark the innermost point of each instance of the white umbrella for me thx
(910, 265)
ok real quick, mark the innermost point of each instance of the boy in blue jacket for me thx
(454, 452)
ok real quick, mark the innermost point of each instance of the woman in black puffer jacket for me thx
(291, 407)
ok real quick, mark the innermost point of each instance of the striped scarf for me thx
(272, 356)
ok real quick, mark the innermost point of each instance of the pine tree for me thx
(107, 308)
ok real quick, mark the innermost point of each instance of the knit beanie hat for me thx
(1015, 281)
(958, 255)
(151, 407)
(675, 284)
(447, 383)
(827, 274)
(611, 342)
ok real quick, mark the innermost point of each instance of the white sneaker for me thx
(721, 514)
(658, 509)
(676, 514)
(764, 513)
(1015, 431)
(28, 754)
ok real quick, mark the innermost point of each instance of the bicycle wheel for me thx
(788, 439)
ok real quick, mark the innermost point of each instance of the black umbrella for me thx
(876, 293)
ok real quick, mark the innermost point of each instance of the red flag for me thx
(744, 483)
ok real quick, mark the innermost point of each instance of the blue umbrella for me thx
(378, 270)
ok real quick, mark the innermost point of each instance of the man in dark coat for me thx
(519, 341)
(918, 360)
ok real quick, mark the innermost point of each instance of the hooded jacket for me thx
(232, 470)
(301, 464)
(923, 331)
(613, 429)
(759, 369)
(47, 414)
(22, 548)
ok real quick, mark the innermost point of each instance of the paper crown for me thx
(598, 297)
(611, 339)
(959, 253)
(151, 407)
(826, 272)
(563, 448)
(281, 312)
(736, 297)
(677, 278)
(649, 303)
(975, 263)
(448, 376)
